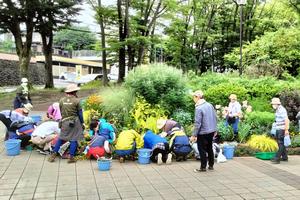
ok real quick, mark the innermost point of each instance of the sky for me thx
(86, 16)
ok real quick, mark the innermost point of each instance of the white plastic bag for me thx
(221, 158)
(287, 140)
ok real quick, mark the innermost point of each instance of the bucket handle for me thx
(99, 158)
(147, 156)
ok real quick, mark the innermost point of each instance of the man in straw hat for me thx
(204, 129)
(25, 110)
(71, 123)
(282, 129)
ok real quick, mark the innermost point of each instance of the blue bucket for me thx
(36, 118)
(104, 164)
(12, 147)
(228, 152)
(144, 156)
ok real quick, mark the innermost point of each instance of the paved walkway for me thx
(30, 176)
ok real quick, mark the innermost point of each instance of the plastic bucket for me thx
(104, 164)
(12, 147)
(228, 152)
(144, 156)
(36, 118)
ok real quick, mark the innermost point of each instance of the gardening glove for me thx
(163, 134)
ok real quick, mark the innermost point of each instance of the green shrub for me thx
(218, 94)
(295, 141)
(244, 131)
(291, 101)
(225, 132)
(182, 117)
(261, 122)
(116, 105)
(261, 104)
(159, 84)
(244, 150)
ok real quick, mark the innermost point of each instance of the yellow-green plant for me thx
(145, 115)
(263, 143)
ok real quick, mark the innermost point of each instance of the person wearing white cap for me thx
(22, 94)
(71, 124)
(282, 129)
(25, 110)
(205, 128)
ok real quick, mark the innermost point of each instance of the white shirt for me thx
(234, 108)
(46, 128)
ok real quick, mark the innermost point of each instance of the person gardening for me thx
(179, 142)
(204, 130)
(282, 129)
(127, 143)
(71, 124)
(160, 148)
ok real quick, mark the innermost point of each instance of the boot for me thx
(71, 160)
(52, 157)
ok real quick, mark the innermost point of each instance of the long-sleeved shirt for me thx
(15, 116)
(205, 118)
(234, 109)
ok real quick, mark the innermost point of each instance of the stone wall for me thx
(9, 73)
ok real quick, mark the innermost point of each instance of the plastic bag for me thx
(273, 130)
(287, 140)
(221, 158)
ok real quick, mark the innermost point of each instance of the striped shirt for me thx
(280, 117)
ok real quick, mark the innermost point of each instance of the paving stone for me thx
(232, 197)
(66, 193)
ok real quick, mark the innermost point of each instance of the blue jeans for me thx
(123, 153)
(73, 146)
(234, 126)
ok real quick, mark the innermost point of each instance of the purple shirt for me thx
(54, 112)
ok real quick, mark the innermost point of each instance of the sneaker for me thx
(52, 158)
(178, 159)
(275, 161)
(284, 159)
(210, 168)
(200, 170)
(169, 159)
(71, 160)
(44, 152)
(121, 159)
(159, 159)
(184, 158)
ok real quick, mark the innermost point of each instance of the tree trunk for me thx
(122, 52)
(103, 46)
(47, 50)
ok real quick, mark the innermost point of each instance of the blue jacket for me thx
(106, 130)
(151, 139)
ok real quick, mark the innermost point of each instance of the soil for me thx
(41, 99)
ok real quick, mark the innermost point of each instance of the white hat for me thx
(24, 80)
(72, 88)
(160, 123)
(275, 101)
(198, 93)
(28, 107)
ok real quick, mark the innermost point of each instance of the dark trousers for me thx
(281, 153)
(7, 122)
(204, 143)
(164, 153)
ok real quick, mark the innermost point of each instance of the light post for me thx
(241, 3)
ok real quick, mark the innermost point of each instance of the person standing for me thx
(204, 129)
(282, 129)
(233, 114)
(22, 94)
(71, 124)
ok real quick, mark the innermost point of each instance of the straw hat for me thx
(275, 101)
(72, 88)
(198, 93)
(160, 123)
(28, 107)
(233, 96)
(24, 80)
